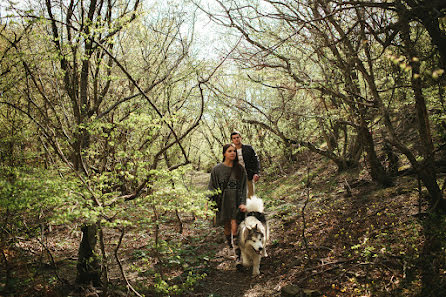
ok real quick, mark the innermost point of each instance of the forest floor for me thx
(332, 234)
(339, 235)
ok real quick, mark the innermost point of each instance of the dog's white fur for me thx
(254, 203)
(253, 236)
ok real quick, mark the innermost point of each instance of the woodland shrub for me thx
(30, 197)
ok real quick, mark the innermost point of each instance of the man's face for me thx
(236, 139)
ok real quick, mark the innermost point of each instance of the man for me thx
(249, 159)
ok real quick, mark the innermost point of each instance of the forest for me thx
(114, 112)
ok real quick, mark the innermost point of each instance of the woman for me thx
(230, 178)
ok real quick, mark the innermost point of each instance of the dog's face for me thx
(255, 239)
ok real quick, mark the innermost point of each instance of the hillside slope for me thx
(341, 236)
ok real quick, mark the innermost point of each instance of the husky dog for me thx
(253, 235)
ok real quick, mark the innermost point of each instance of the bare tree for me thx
(87, 89)
(335, 51)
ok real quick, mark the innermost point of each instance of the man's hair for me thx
(235, 133)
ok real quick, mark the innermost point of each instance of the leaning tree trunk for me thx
(426, 169)
(377, 170)
(341, 162)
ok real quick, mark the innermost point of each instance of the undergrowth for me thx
(368, 241)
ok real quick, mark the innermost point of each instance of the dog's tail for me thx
(254, 204)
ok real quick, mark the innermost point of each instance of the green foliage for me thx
(30, 197)
(177, 257)
(364, 249)
(308, 87)
(186, 258)
(30, 188)
(163, 287)
(439, 121)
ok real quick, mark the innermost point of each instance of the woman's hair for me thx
(236, 167)
(225, 148)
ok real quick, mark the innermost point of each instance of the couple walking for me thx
(235, 177)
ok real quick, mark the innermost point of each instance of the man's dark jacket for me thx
(252, 164)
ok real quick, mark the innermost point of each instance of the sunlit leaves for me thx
(31, 193)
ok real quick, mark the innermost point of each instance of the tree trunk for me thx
(377, 170)
(429, 178)
(426, 169)
(392, 159)
(88, 267)
(341, 163)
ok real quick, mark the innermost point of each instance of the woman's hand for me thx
(242, 208)
(256, 178)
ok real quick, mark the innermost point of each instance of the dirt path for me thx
(224, 280)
